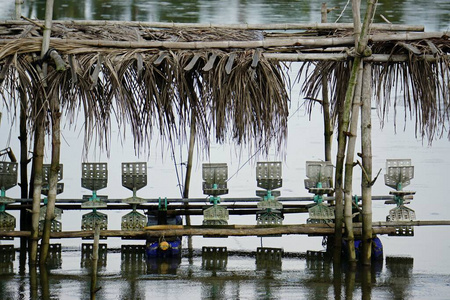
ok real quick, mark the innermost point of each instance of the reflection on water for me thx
(434, 15)
(242, 276)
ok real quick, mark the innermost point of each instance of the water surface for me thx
(423, 274)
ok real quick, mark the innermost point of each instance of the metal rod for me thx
(205, 200)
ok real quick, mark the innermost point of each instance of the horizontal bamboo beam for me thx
(280, 26)
(221, 231)
(67, 44)
(377, 58)
(235, 230)
(413, 223)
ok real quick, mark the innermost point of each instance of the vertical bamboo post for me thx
(56, 141)
(339, 211)
(327, 122)
(53, 178)
(47, 27)
(95, 261)
(338, 192)
(345, 116)
(366, 149)
(18, 9)
(24, 216)
(356, 11)
(38, 161)
(187, 180)
(348, 213)
(193, 95)
(328, 127)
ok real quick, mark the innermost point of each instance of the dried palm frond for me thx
(336, 73)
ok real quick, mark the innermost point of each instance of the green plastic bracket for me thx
(161, 205)
(317, 197)
(269, 196)
(94, 196)
(214, 199)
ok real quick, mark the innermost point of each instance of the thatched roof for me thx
(230, 80)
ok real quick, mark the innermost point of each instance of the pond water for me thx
(413, 268)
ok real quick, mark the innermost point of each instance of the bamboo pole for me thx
(55, 127)
(327, 122)
(328, 127)
(349, 158)
(72, 46)
(352, 98)
(18, 9)
(344, 121)
(37, 172)
(356, 11)
(95, 247)
(306, 42)
(47, 27)
(53, 177)
(221, 231)
(345, 56)
(238, 230)
(366, 150)
(24, 216)
(187, 181)
(281, 26)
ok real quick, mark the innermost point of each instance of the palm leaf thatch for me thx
(160, 79)
(149, 89)
(417, 83)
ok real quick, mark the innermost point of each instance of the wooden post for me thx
(348, 207)
(356, 10)
(53, 177)
(366, 150)
(327, 124)
(18, 9)
(345, 115)
(38, 161)
(95, 261)
(24, 216)
(187, 180)
(56, 143)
